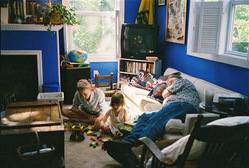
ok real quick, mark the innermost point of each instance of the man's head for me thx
(172, 79)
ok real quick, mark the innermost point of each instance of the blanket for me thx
(151, 82)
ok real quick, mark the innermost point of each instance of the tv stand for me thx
(128, 68)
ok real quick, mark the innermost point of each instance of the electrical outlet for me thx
(95, 72)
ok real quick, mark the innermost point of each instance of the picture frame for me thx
(161, 2)
(176, 12)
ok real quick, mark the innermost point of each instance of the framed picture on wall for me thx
(161, 2)
(176, 21)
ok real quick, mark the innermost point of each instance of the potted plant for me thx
(56, 14)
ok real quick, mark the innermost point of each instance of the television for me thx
(139, 40)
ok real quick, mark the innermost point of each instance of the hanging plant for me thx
(57, 14)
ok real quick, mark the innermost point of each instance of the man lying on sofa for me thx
(180, 98)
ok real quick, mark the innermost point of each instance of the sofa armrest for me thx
(191, 118)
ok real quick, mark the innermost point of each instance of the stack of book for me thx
(135, 67)
(20, 10)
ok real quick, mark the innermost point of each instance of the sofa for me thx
(137, 102)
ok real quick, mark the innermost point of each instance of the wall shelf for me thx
(28, 27)
(128, 68)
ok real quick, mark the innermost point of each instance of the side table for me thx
(69, 79)
(17, 127)
(215, 110)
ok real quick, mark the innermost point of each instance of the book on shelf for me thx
(135, 67)
(20, 9)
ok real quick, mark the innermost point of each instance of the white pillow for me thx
(198, 148)
(173, 151)
(230, 121)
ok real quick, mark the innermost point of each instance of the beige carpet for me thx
(78, 154)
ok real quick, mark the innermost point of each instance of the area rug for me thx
(84, 154)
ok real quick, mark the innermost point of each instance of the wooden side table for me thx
(69, 79)
(215, 110)
(20, 121)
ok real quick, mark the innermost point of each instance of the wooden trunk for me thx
(20, 121)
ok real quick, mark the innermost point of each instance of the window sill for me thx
(223, 58)
(28, 27)
(101, 59)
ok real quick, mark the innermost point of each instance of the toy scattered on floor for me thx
(77, 132)
(93, 139)
(100, 136)
(94, 144)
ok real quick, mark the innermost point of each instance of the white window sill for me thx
(223, 58)
(101, 59)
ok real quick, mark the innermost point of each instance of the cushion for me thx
(198, 148)
(230, 121)
(173, 151)
(144, 80)
(174, 126)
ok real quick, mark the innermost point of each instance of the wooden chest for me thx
(18, 126)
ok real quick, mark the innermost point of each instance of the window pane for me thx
(92, 5)
(95, 35)
(240, 37)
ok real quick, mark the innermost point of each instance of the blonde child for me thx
(88, 104)
(117, 115)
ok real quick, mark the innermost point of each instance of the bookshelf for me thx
(21, 11)
(128, 68)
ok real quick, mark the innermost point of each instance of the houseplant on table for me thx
(56, 14)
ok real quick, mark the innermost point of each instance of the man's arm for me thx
(166, 93)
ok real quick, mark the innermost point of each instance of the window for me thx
(99, 27)
(218, 31)
(239, 30)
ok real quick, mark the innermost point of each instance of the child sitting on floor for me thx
(118, 114)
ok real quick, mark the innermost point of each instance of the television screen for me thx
(139, 40)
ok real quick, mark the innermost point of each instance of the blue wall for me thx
(104, 68)
(35, 40)
(175, 56)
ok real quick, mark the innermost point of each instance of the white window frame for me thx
(223, 55)
(119, 15)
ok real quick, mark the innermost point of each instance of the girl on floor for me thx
(117, 115)
(88, 104)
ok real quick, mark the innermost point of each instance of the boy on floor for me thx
(88, 104)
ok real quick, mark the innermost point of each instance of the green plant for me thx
(54, 14)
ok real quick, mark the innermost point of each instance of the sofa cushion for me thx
(174, 126)
(191, 118)
(230, 121)
(152, 107)
(177, 148)
(144, 80)
(186, 76)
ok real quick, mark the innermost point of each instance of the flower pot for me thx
(56, 19)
